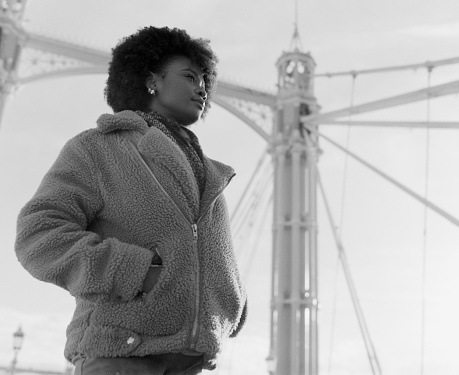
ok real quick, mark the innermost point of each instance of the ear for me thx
(152, 81)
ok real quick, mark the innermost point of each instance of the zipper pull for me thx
(195, 231)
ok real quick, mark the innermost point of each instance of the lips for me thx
(201, 102)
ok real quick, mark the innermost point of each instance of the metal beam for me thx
(72, 50)
(230, 108)
(90, 69)
(398, 124)
(393, 101)
(407, 190)
(426, 65)
(240, 92)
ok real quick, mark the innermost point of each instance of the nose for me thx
(201, 92)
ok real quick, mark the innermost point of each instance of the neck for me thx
(164, 119)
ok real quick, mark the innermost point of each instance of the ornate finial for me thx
(295, 44)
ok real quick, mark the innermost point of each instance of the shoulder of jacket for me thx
(84, 144)
(83, 139)
(124, 120)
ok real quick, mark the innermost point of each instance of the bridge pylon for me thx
(294, 332)
(12, 39)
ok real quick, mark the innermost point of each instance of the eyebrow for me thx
(193, 71)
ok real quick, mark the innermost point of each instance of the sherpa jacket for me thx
(116, 195)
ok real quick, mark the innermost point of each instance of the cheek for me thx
(184, 95)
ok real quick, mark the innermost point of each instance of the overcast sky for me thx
(382, 227)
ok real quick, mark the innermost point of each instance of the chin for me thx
(190, 120)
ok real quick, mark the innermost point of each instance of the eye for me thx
(190, 77)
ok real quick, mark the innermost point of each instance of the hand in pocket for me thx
(151, 279)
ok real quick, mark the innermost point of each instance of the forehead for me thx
(181, 63)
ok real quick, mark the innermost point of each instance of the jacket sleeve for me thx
(53, 242)
(241, 321)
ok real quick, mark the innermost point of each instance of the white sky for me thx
(382, 227)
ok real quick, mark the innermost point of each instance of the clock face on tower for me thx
(289, 77)
(297, 74)
(304, 75)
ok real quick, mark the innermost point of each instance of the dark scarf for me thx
(185, 139)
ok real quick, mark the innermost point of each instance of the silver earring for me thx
(151, 91)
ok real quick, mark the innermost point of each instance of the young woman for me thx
(132, 221)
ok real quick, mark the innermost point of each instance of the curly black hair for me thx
(150, 49)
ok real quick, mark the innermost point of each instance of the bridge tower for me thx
(12, 38)
(294, 336)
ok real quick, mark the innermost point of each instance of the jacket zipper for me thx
(194, 329)
(194, 228)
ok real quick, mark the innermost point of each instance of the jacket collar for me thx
(158, 149)
(218, 175)
(124, 120)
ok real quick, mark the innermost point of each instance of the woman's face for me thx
(180, 94)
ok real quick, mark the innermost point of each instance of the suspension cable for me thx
(249, 184)
(416, 196)
(246, 266)
(340, 228)
(375, 367)
(249, 198)
(251, 206)
(255, 245)
(424, 245)
(346, 157)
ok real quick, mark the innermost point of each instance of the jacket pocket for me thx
(100, 341)
(157, 258)
(152, 278)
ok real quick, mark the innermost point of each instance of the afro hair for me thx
(150, 49)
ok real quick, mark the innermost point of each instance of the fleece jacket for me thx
(116, 196)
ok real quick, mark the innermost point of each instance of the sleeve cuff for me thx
(241, 321)
(131, 273)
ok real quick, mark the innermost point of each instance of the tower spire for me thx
(295, 44)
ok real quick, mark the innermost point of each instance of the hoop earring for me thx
(151, 91)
